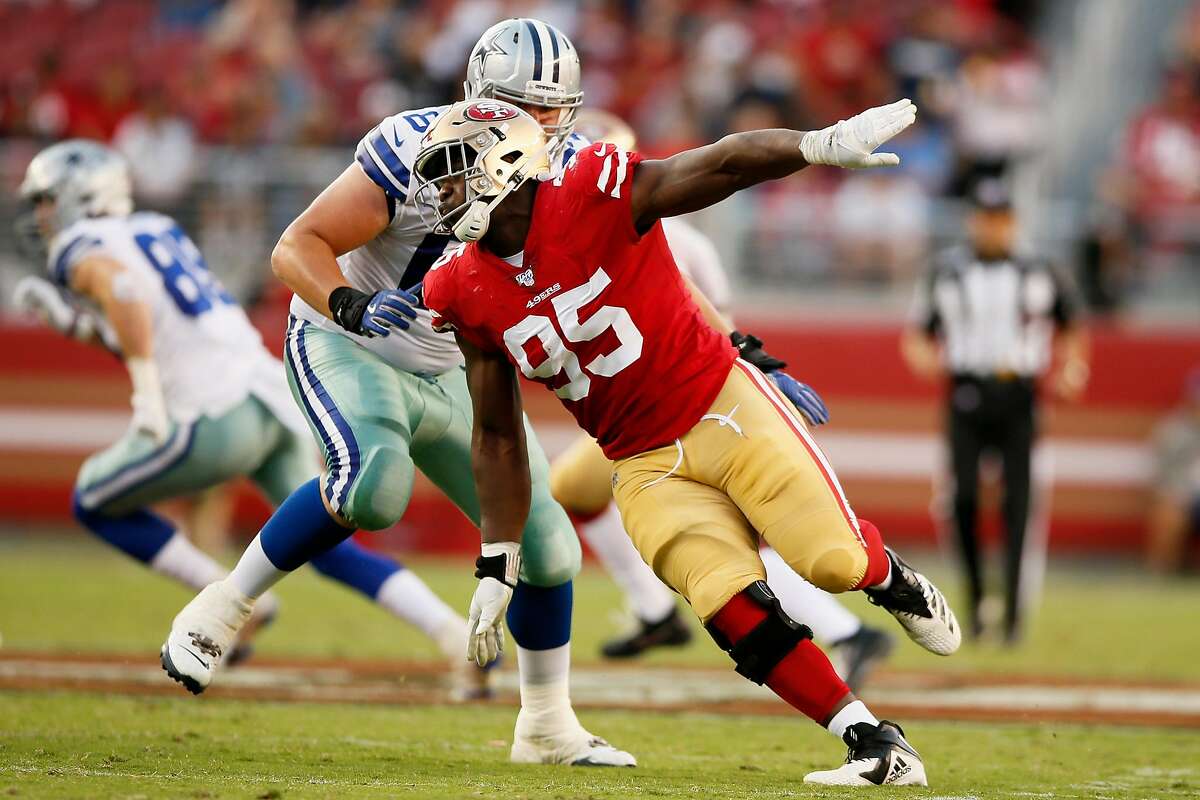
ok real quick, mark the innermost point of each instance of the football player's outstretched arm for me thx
(119, 294)
(349, 213)
(500, 463)
(698, 178)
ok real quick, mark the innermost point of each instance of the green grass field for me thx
(69, 594)
(66, 745)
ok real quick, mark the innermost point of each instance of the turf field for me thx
(72, 598)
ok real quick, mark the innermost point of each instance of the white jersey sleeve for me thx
(697, 258)
(386, 154)
(199, 330)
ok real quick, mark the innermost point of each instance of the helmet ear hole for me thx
(511, 157)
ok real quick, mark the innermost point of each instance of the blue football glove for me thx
(802, 396)
(372, 315)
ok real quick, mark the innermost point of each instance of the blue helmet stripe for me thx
(554, 50)
(537, 50)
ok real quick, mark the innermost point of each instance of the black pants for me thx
(991, 415)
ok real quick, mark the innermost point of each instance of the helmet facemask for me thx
(492, 148)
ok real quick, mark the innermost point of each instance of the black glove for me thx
(750, 348)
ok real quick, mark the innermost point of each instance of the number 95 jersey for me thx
(595, 312)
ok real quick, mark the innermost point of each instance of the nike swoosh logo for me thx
(203, 663)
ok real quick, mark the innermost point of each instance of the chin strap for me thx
(474, 222)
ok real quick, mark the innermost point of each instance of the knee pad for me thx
(381, 489)
(838, 569)
(760, 650)
(550, 552)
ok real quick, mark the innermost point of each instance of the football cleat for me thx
(671, 631)
(576, 748)
(203, 633)
(919, 607)
(878, 756)
(856, 656)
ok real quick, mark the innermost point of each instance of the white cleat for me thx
(919, 607)
(203, 633)
(576, 748)
(878, 756)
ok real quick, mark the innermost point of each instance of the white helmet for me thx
(82, 178)
(494, 145)
(530, 62)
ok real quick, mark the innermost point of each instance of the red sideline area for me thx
(1137, 377)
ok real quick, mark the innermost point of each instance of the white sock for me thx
(853, 713)
(650, 599)
(183, 561)
(545, 698)
(406, 596)
(255, 573)
(829, 619)
(887, 581)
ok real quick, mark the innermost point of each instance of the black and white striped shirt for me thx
(994, 317)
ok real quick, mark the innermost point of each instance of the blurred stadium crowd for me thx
(190, 90)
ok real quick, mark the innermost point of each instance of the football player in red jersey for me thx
(570, 280)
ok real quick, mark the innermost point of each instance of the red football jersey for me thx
(598, 314)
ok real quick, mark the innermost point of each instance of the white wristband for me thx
(512, 558)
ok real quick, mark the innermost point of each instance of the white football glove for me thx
(48, 303)
(497, 570)
(851, 143)
(149, 408)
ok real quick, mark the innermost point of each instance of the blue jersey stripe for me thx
(390, 158)
(537, 50)
(376, 175)
(68, 254)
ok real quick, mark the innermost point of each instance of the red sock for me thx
(804, 678)
(878, 564)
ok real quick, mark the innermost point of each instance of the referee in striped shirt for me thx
(993, 323)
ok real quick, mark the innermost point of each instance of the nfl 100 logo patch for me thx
(525, 278)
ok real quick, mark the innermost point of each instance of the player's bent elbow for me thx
(281, 257)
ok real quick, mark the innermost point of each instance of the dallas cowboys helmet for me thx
(82, 178)
(528, 62)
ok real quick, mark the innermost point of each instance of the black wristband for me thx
(750, 348)
(347, 305)
(493, 567)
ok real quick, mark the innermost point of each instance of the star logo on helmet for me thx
(491, 47)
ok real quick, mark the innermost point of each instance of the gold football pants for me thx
(696, 508)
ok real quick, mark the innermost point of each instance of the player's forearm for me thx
(501, 469)
(699, 178)
(133, 324)
(308, 266)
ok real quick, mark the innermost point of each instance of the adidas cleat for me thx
(878, 756)
(919, 607)
(202, 633)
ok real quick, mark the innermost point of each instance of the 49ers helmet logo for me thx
(490, 111)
